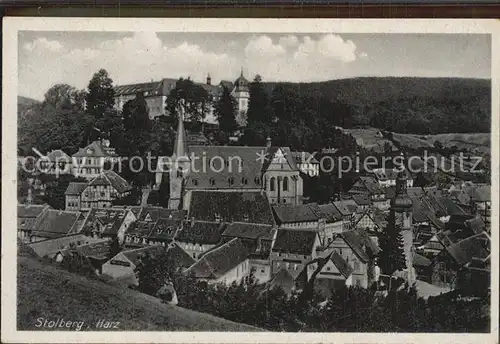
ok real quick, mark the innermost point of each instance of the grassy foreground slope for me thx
(48, 292)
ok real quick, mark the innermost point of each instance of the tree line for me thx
(347, 309)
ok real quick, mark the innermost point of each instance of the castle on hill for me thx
(156, 93)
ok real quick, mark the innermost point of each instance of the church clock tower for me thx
(401, 209)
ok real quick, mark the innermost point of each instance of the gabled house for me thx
(108, 223)
(333, 221)
(101, 191)
(89, 162)
(73, 195)
(329, 273)
(96, 252)
(386, 177)
(448, 264)
(359, 251)
(124, 264)
(368, 185)
(306, 163)
(373, 222)
(226, 263)
(198, 237)
(293, 249)
(27, 216)
(259, 239)
(56, 162)
(348, 209)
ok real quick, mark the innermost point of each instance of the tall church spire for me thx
(180, 144)
(241, 72)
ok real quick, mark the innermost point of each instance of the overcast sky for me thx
(47, 58)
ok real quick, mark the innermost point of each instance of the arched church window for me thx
(230, 180)
(211, 181)
(272, 187)
(285, 184)
(257, 180)
(244, 180)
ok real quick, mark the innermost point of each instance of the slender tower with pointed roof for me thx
(401, 209)
(179, 166)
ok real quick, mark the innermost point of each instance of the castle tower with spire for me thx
(241, 94)
(401, 209)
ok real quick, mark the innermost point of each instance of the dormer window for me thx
(246, 218)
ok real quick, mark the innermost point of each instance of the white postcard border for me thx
(12, 26)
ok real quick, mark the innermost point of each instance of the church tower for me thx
(401, 209)
(179, 163)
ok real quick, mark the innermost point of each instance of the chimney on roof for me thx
(268, 142)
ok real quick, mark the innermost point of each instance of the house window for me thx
(262, 270)
(272, 187)
(257, 180)
(328, 268)
(295, 266)
(356, 265)
(285, 184)
(195, 182)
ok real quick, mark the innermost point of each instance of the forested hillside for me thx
(407, 105)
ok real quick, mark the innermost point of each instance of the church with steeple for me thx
(268, 170)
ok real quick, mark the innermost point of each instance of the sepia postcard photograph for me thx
(250, 180)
